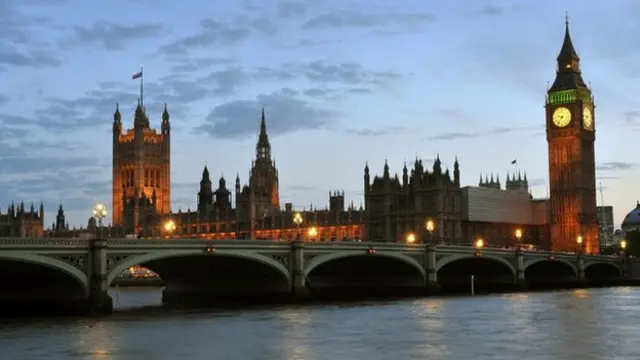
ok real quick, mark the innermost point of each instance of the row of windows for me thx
(151, 177)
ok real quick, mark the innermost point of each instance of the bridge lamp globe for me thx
(169, 226)
(479, 244)
(297, 219)
(518, 234)
(313, 232)
(429, 225)
(623, 244)
(100, 212)
(579, 240)
(411, 238)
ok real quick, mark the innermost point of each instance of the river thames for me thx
(577, 324)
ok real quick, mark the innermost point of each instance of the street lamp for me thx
(411, 238)
(623, 245)
(100, 212)
(297, 219)
(479, 244)
(313, 231)
(430, 226)
(169, 227)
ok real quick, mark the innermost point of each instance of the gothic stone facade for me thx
(18, 222)
(395, 208)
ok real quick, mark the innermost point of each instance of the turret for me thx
(437, 165)
(367, 179)
(456, 172)
(405, 176)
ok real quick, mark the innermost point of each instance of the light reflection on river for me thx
(580, 324)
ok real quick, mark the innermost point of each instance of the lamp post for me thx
(623, 246)
(479, 244)
(169, 227)
(100, 212)
(411, 238)
(297, 219)
(430, 226)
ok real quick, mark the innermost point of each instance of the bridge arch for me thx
(568, 264)
(54, 264)
(140, 259)
(602, 270)
(450, 259)
(486, 273)
(324, 259)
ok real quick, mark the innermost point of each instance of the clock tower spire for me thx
(571, 139)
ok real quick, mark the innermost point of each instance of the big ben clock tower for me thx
(572, 174)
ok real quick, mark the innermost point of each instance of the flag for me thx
(137, 75)
(514, 162)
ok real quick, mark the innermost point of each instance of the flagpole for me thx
(141, 87)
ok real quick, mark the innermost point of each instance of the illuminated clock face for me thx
(587, 118)
(562, 117)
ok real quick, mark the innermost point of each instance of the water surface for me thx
(578, 324)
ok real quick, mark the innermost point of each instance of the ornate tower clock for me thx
(571, 137)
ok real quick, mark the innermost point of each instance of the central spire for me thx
(263, 147)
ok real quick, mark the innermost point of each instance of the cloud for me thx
(494, 131)
(290, 9)
(357, 20)
(286, 112)
(179, 92)
(303, 188)
(190, 65)
(492, 10)
(614, 166)
(28, 58)
(351, 77)
(391, 130)
(18, 46)
(4, 99)
(182, 88)
(112, 36)
(35, 170)
(217, 33)
(632, 117)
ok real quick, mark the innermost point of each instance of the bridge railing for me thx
(43, 241)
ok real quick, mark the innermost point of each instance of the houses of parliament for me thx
(394, 205)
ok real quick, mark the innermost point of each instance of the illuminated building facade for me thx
(570, 124)
(141, 179)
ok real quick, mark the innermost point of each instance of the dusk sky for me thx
(342, 82)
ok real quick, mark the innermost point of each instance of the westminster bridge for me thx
(76, 273)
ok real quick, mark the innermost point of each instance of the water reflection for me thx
(294, 339)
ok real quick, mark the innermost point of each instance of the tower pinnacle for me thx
(568, 74)
(263, 147)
